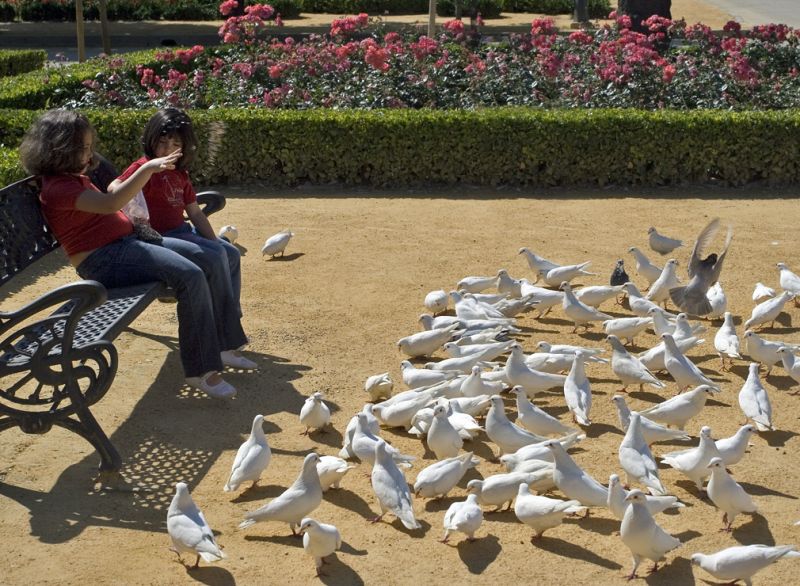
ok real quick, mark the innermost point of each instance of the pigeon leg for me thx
(255, 484)
(446, 537)
(306, 432)
(376, 519)
(177, 553)
(196, 562)
(536, 537)
(654, 568)
(636, 561)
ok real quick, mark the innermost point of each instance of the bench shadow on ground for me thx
(173, 434)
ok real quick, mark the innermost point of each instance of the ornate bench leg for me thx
(88, 428)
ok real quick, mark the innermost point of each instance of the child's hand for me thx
(165, 163)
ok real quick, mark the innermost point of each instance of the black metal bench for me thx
(54, 367)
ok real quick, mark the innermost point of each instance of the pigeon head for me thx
(636, 496)
(476, 370)
(552, 445)
(633, 249)
(474, 486)
(317, 397)
(613, 480)
(651, 229)
(517, 390)
(620, 263)
(502, 273)
(705, 432)
(672, 262)
(782, 266)
(523, 488)
(523, 250)
(708, 389)
(697, 559)
(307, 524)
(543, 346)
(440, 411)
(749, 428)
(754, 367)
(716, 463)
(312, 459)
(565, 286)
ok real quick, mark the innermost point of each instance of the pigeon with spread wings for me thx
(703, 272)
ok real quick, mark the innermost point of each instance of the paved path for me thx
(752, 12)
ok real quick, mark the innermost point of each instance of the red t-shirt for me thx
(167, 194)
(78, 231)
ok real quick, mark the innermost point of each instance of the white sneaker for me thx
(230, 358)
(221, 390)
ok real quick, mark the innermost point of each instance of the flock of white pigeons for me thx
(457, 399)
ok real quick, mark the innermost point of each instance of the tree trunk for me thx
(432, 19)
(79, 30)
(104, 34)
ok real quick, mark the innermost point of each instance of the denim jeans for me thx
(218, 247)
(129, 261)
(214, 263)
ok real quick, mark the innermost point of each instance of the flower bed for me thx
(359, 65)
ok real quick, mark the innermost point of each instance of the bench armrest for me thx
(210, 201)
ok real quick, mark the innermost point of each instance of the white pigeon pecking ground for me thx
(319, 540)
(277, 243)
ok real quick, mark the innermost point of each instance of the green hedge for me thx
(17, 61)
(378, 7)
(597, 8)
(487, 8)
(513, 146)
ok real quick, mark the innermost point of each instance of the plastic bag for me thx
(136, 210)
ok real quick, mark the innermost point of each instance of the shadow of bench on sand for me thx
(169, 436)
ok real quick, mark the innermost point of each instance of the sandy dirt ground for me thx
(327, 316)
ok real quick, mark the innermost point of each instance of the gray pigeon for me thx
(618, 275)
(703, 272)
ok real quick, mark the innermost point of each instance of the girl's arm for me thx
(121, 192)
(200, 221)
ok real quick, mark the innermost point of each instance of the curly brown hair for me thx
(170, 122)
(52, 145)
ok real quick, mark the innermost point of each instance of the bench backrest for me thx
(24, 236)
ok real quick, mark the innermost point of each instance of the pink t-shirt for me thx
(167, 194)
(78, 231)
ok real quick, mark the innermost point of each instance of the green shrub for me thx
(487, 8)
(190, 10)
(597, 8)
(10, 168)
(286, 8)
(378, 7)
(7, 12)
(132, 10)
(15, 62)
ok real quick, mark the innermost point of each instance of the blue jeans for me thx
(129, 261)
(218, 247)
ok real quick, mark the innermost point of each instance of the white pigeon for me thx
(488, 351)
(391, 489)
(436, 301)
(319, 540)
(533, 381)
(573, 481)
(475, 386)
(545, 299)
(476, 284)
(637, 460)
(789, 281)
(680, 368)
(790, 363)
(693, 463)
(628, 368)
(555, 276)
(415, 378)
(536, 262)
(276, 244)
(539, 451)
(372, 424)
(364, 442)
(661, 323)
(762, 350)
(654, 358)
(297, 501)
(727, 494)
(551, 362)
(652, 431)
(579, 313)
(379, 386)
(441, 477)
(596, 295)
(718, 301)
(314, 413)
(655, 504)
(642, 534)
(627, 328)
(639, 304)
(229, 233)
(590, 354)
(464, 423)
(726, 342)
(685, 329)
(668, 279)
(541, 513)
(732, 449)
(331, 470)
(513, 307)
(427, 342)
(578, 391)
(535, 419)
(465, 517)
(443, 439)
(251, 459)
(768, 311)
(490, 298)
(188, 529)
(461, 364)
(468, 308)
(678, 410)
(401, 413)
(474, 406)
(762, 292)
(742, 561)
(504, 434)
(660, 243)
(754, 400)
(507, 285)
(644, 267)
(499, 489)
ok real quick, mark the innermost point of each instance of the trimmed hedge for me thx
(514, 146)
(17, 61)
(378, 7)
(487, 8)
(597, 8)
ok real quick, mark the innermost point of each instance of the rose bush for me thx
(360, 66)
